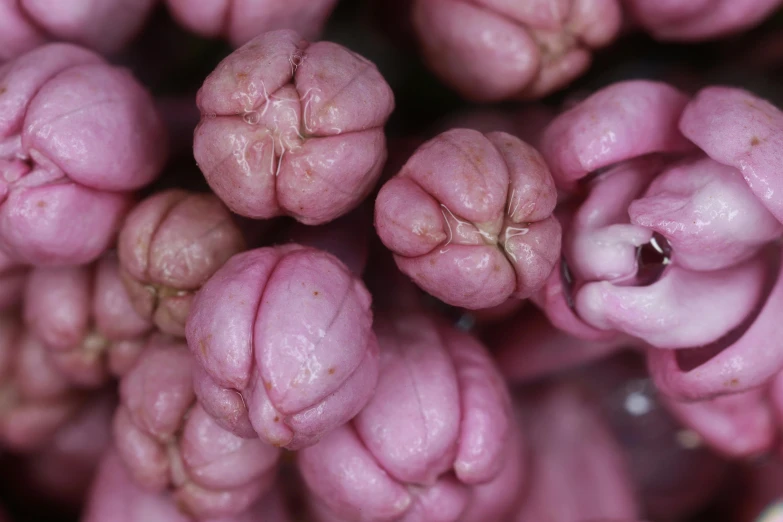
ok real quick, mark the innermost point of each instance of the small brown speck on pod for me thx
(315, 293)
(277, 418)
(41, 204)
(331, 371)
(3, 90)
(268, 386)
(754, 141)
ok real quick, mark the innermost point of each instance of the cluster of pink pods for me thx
(567, 311)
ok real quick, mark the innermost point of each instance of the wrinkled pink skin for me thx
(64, 468)
(241, 20)
(469, 218)
(491, 50)
(167, 441)
(695, 20)
(576, 469)
(169, 246)
(283, 341)
(85, 318)
(709, 218)
(527, 347)
(347, 238)
(436, 442)
(292, 128)
(76, 137)
(103, 25)
(116, 497)
(35, 398)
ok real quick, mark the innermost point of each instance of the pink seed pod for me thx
(35, 398)
(436, 442)
(301, 135)
(576, 469)
(661, 244)
(168, 442)
(116, 497)
(104, 25)
(84, 316)
(469, 218)
(77, 135)
(491, 50)
(170, 245)
(282, 337)
(698, 19)
(239, 21)
(63, 469)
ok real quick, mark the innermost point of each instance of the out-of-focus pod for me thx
(240, 21)
(103, 25)
(491, 50)
(436, 442)
(115, 497)
(292, 128)
(84, 316)
(283, 342)
(36, 399)
(63, 469)
(576, 469)
(77, 137)
(696, 20)
(169, 246)
(169, 443)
